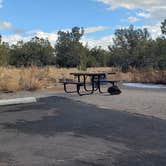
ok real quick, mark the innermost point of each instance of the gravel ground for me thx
(97, 130)
(150, 102)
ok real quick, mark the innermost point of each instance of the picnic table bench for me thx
(72, 82)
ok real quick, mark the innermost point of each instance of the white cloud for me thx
(8, 26)
(52, 37)
(143, 14)
(13, 39)
(95, 29)
(32, 32)
(104, 42)
(132, 19)
(154, 30)
(155, 8)
(1, 3)
(5, 25)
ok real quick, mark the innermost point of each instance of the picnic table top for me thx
(91, 73)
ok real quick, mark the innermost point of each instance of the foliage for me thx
(37, 51)
(131, 48)
(134, 48)
(160, 53)
(163, 27)
(98, 57)
(4, 53)
(127, 42)
(69, 50)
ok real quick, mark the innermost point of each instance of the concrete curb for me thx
(17, 101)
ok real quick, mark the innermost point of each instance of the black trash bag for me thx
(114, 90)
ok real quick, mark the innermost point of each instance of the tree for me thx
(145, 54)
(37, 51)
(163, 27)
(160, 53)
(4, 53)
(125, 46)
(69, 50)
(98, 57)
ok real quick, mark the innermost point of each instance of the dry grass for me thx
(15, 79)
(144, 76)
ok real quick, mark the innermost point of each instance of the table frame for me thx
(95, 82)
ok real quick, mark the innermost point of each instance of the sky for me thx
(24, 19)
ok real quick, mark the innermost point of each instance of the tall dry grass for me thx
(144, 76)
(14, 79)
(32, 78)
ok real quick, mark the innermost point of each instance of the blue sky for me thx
(22, 19)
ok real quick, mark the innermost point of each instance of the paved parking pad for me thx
(57, 131)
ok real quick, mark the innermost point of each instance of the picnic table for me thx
(90, 81)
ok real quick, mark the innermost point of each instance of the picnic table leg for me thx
(99, 87)
(85, 87)
(78, 78)
(84, 84)
(93, 84)
(78, 90)
(81, 94)
(96, 83)
(90, 91)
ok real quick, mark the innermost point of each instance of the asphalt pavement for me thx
(58, 131)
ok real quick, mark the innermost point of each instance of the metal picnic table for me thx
(85, 79)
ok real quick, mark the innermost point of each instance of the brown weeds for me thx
(32, 78)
